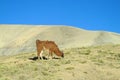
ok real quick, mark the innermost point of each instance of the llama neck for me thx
(58, 52)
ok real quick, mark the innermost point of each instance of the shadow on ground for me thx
(44, 58)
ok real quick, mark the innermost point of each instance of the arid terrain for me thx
(85, 63)
(16, 39)
(89, 55)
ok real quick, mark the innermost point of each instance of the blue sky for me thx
(86, 14)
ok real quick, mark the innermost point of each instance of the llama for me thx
(47, 45)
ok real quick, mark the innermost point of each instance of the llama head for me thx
(62, 54)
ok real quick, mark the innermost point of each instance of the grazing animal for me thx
(47, 45)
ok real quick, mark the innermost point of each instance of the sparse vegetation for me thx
(91, 63)
(69, 68)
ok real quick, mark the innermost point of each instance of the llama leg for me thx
(41, 54)
(48, 55)
(51, 55)
(38, 55)
(48, 52)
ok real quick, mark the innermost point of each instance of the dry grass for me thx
(87, 63)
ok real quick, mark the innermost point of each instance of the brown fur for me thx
(48, 45)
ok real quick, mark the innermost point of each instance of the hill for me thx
(91, 63)
(89, 55)
(21, 38)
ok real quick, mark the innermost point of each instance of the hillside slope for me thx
(21, 38)
(91, 63)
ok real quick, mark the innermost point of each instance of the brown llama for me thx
(47, 45)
